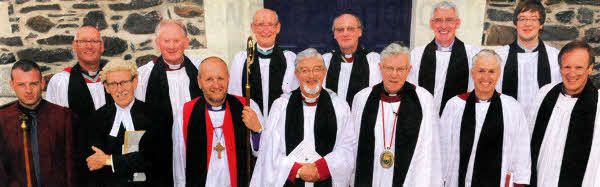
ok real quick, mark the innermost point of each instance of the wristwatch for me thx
(298, 173)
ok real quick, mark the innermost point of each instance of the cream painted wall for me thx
(471, 13)
(6, 28)
(227, 27)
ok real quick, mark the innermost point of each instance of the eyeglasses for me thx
(306, 71)
(267, 25)
(88, 41)
(342, 29)
(125, 83)
(390, 70)
(525, 20)
(447, 20)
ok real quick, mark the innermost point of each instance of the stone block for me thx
(85, 6)
(145, 43)
(143, 60)
(552, 2)
(14, 28)
(28, 9)
(193, 30)
(61, 26)
(57, 40)
(113, 46)
(592, 35)
(585, 15)
(559, 33)
(187, 10)
(596, 51)
(127, 57)
(115, 27)
(30, 36)
(46, 55)
(499, 5)
(60, 15)
(117, 17)
(11, 9)
(7, 58)
(142, 24)
(195, 44)
(145, 48)
(583, 2)
(40, 24)
(500, 35)
(21, 1)
(499, 15)
(96, 19)
(565, 16)
(11, 41)
(134, 5)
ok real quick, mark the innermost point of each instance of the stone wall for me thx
(566, 20)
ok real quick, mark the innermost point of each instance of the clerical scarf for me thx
(488, 155)
(407, 132)
(457, 78)
(579, 137)
(157, 94)
(510, 80)
(359, 75)
(325, 129)
(79, 96)
(198, 136)
(277, 68)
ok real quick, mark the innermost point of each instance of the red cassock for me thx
(55, 137)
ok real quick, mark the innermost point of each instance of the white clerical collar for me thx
(171, 66)
(123, 116)
(265, 49)
(444, 49)
(527, 50)
(309, 101)
(348, 55)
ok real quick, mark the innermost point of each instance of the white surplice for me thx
(441, 70)
(58, 90)
(289, 84)
(273, 165)
(179, 90)
(218, 171)
(516, 157)
(346, 70)
(528, 70)
(555, 138)
(425, 165)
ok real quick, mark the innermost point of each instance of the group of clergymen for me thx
(443, 114)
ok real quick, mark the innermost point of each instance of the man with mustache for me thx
(442, 66)
(350, 66)
(211, 131)
(110, 165)
(529, 63)
(485, 134)
(272, 72)
(310, 139)
(48, 130)
(165, 84)
(563, 119)
(397, 136)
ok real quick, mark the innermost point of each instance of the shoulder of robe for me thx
(288, 52)
(7, 105)
(240, 98)
(551, 49)
(503, 50)
(67, 69)
(545, 89)
(509, 100)
(61, 75)
(419, 49)
(458, 99)
(423, 93)
(58, 109)
(147, 67)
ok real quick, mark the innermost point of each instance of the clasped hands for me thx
(97, 160)
(309, 172)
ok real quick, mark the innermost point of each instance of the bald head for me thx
(87, 30)
(265, 13)
(212, 63)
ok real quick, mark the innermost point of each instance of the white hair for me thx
(446, 5)
(308, 53)
(170, 21)
(118, 65)
(487, 53)
(394, 49)
(355, 17)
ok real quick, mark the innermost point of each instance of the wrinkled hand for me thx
(97, 160)
(309, 173)
(250, 118)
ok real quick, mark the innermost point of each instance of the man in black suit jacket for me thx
(110, 164)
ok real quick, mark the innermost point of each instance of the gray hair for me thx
(118, 65)
(488, 53)
(446, 5)
(276, 16)
(394, 49)
(308, 53)
(355, 17)
(170, 21)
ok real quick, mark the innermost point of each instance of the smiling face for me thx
(88, 45)
(528, 26)
(172, 42)
(265, 27)
(310, 73)
(346, 32)
(395, 69)
(444, 24)
(120, 85)
(27, 86)
(575, 70)
(485, 73)
(213, 79)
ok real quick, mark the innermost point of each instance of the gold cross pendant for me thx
(219, 148)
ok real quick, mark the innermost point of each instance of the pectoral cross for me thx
(219, 148)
